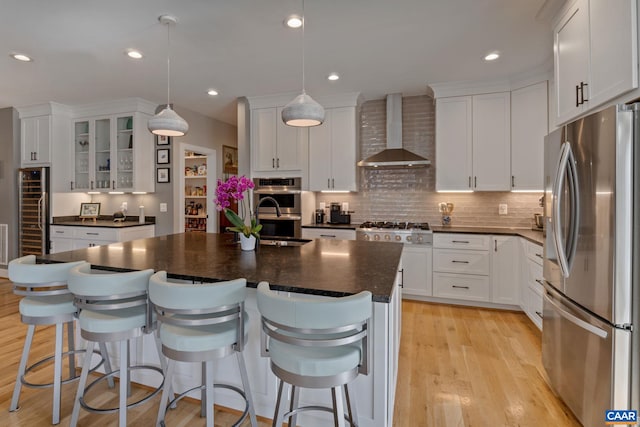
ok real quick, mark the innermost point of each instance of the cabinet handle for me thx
(71, 185)
(328, 182)
(402, 278)
(495, 245)
(278, 163)
(333, 236)
(113, 184)
(91, 234)
(582, 85)
(469, 181)
(460, 241)
(577, 95)
(459, 287)
(273, 163)
(539, 255)
(59, 232)
(460, 262)
(513, 181)
(475, 182)
(540, 281)
(539, 314)
(333, 183)
(92, 185)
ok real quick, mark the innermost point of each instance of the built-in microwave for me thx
(286, 191)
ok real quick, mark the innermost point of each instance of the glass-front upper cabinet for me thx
(124, 179)
(81, 141)
(102, 163)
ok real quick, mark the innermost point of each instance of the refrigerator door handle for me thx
(556, 214)
(576, 320)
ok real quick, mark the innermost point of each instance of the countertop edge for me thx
(534, 236)
(332, 226)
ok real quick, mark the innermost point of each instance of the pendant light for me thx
(167, 122)
(303, 111)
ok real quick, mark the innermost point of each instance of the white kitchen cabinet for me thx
(505, 274)
(332, 151)
(35, 139)
(111, 153)
(417, 271)
(473, 135)
(65, 238)
(329, 233)
(595, 55)
(531, 279)
(529, 126)
(275, 146)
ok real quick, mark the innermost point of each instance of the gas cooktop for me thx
(391, 225)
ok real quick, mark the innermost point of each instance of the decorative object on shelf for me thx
(446, 209)
(89, 211)
(163, 140)
(163, 175)
(303, 111)
(234, 189)
(162, 156)
(247, 243)
(167, 122)
(230, 156)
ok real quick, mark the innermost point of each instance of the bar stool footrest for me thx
(50, 358)
(239, 421)
(313, 408)
(86, 406)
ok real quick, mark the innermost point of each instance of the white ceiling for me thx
(242, 48)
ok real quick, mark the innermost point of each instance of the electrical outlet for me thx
(163, 207)
(502, 209)
(124, 206)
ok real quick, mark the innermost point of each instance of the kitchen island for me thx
(320, 268)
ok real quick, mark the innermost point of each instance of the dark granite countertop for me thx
(321, 267)
(332, 226)
(534, 236)
(102, 221)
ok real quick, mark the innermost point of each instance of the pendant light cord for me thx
(303, 25)
(168, 64)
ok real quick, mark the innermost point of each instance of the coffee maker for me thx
(319, 216)
(336, 216)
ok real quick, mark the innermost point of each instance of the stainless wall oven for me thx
(288, 193)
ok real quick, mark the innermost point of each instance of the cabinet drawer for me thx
(533, 252)
(328, 233)
(58, 232)
(534, 272)
(91, 233)
(461, 286)
(464, 262)
(461, 241)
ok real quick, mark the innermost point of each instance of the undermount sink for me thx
(284, 242)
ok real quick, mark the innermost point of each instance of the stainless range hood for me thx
(394, 156)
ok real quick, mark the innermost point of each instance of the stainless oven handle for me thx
(277, 191)
(281, 217)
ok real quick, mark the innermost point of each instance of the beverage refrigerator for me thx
(33, 211)
(591, 263)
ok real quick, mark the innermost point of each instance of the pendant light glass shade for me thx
(303, 111)
(167, 122)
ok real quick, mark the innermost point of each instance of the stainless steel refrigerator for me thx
(33, 211)
(590, 339)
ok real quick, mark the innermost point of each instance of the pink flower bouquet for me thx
(234, 188)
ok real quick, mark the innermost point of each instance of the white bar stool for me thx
(315, 343)
(47, 301)
(112, 307)
(202, 323)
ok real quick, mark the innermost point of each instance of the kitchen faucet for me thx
(264, 199)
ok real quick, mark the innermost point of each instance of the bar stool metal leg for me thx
(279, 414)
(338, 408)
(203, 391)
(166, 393)
(71, 346)
(82, 383)
(23, 366)
(245, 386)
(124, 382)
(295, 397)
(57, 373)
(107, 364)
(352, 407)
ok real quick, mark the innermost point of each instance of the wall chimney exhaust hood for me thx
(394, 156)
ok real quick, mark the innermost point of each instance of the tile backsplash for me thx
(409, 194)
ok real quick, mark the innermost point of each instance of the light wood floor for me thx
(458, 367)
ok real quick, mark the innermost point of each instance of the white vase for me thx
(247, 243)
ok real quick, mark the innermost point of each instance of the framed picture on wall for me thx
(163, 175)
(230, 159)
(163, 140)
(162, 156)
(89, 210)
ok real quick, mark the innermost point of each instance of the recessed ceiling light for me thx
(212, 92)
(293, 21)
(21, 57)
(492, 56)
(333, 76)
(134, 54)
